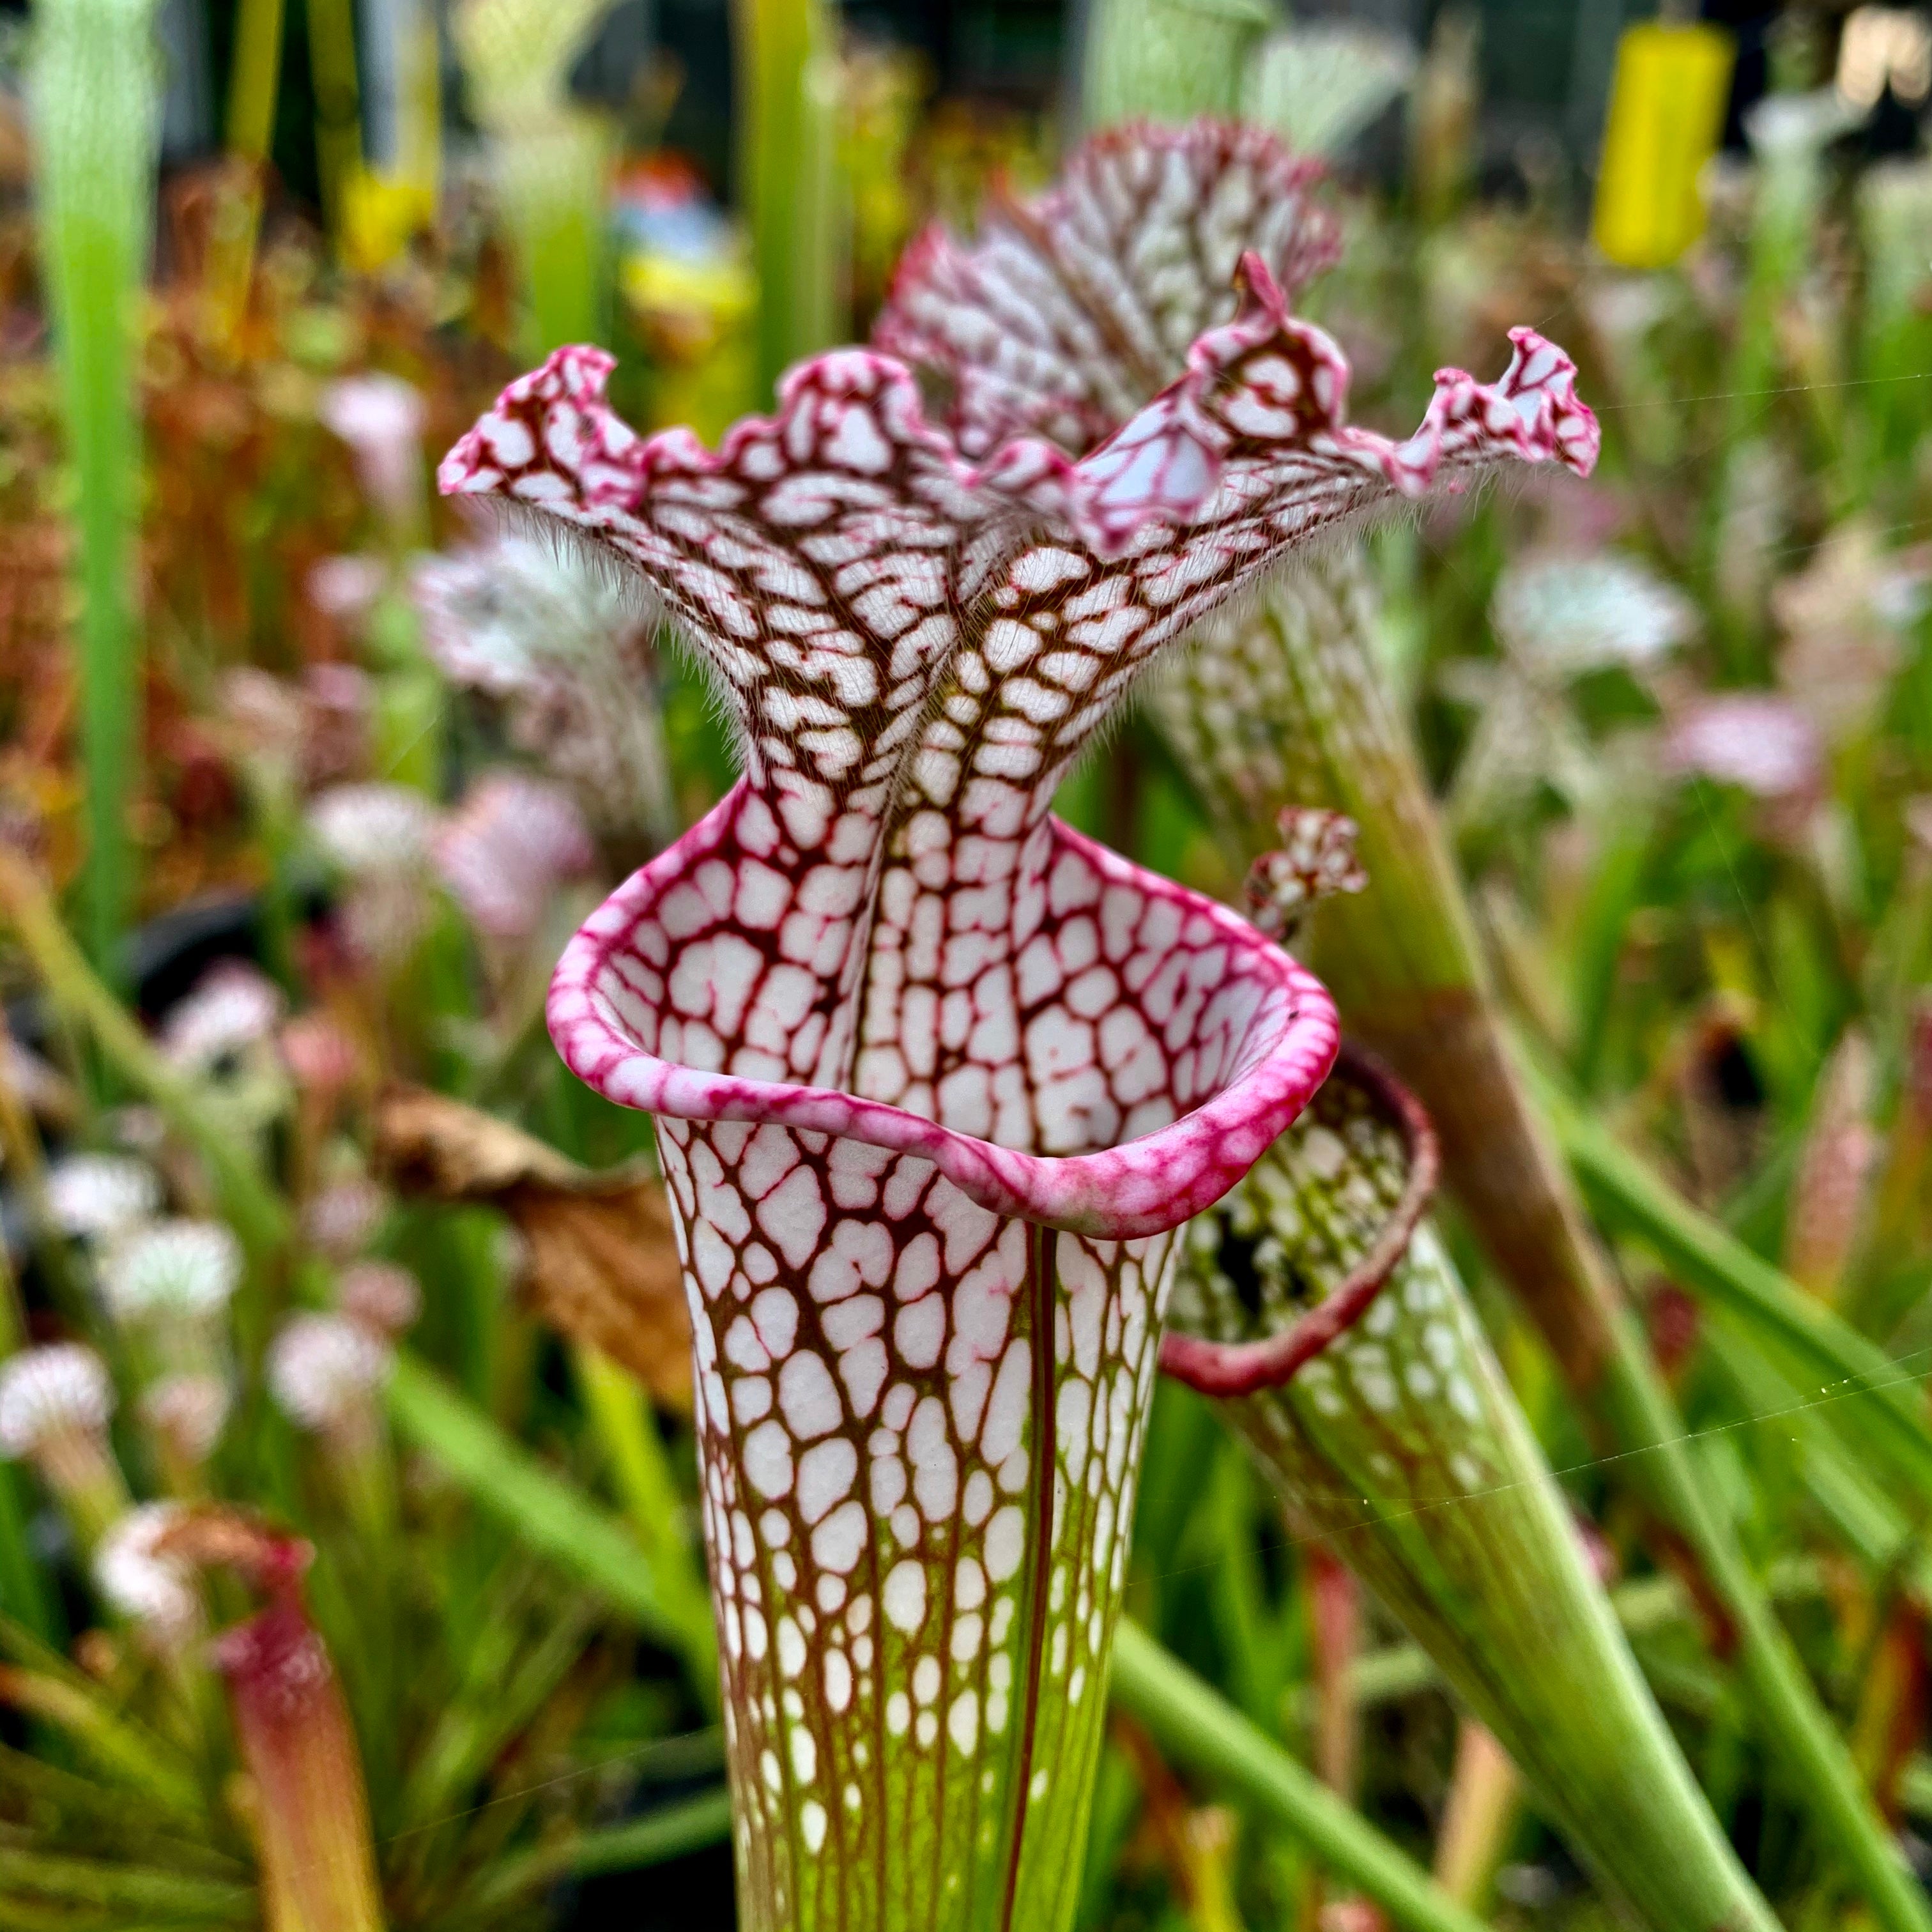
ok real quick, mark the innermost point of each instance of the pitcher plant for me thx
(1318, 1306)
(935, 1077)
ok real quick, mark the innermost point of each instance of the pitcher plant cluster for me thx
(936, 1078)
(942, 1250)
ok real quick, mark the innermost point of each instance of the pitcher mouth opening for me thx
(1231, 1369)
(1142, 1185)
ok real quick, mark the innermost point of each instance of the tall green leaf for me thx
(787, 80)
(94, 88)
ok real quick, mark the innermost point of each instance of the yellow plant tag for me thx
(382, 214)
(1667, 111)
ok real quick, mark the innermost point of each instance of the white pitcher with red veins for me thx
(935, 1077)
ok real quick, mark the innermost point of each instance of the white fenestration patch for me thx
(903, 1596)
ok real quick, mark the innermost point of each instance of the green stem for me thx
(550, 1514)
(1168, 60)
(1860, 1512)
(75, 1883)
(277, 825)
(550, 182)
(24, 1595)
(1706, 1257)
(1814, 1753)
(338, 102)
(95, 110)
(667, 1833)
(1644, 1606)
(254, 79)
(621, 1418)
(26, 1162)
(114, 1743)
(252, 95)
(252, 85)
(1790, 189)
(786, 78)
(621, 1414)
(1195, 1725)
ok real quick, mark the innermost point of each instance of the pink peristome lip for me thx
(1272, 1023)
(1233, 1369)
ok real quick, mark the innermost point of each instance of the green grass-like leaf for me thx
(94, 86)
(550, 1514)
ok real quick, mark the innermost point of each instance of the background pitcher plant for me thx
(1318, 1304)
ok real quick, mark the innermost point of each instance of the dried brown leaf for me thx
(603, 1260)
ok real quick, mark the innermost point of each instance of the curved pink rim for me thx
(1245, 1368)
(1142, 1187)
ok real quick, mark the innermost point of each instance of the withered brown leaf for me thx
(603, 1260)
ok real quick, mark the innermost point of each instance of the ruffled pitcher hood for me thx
(882, 931)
